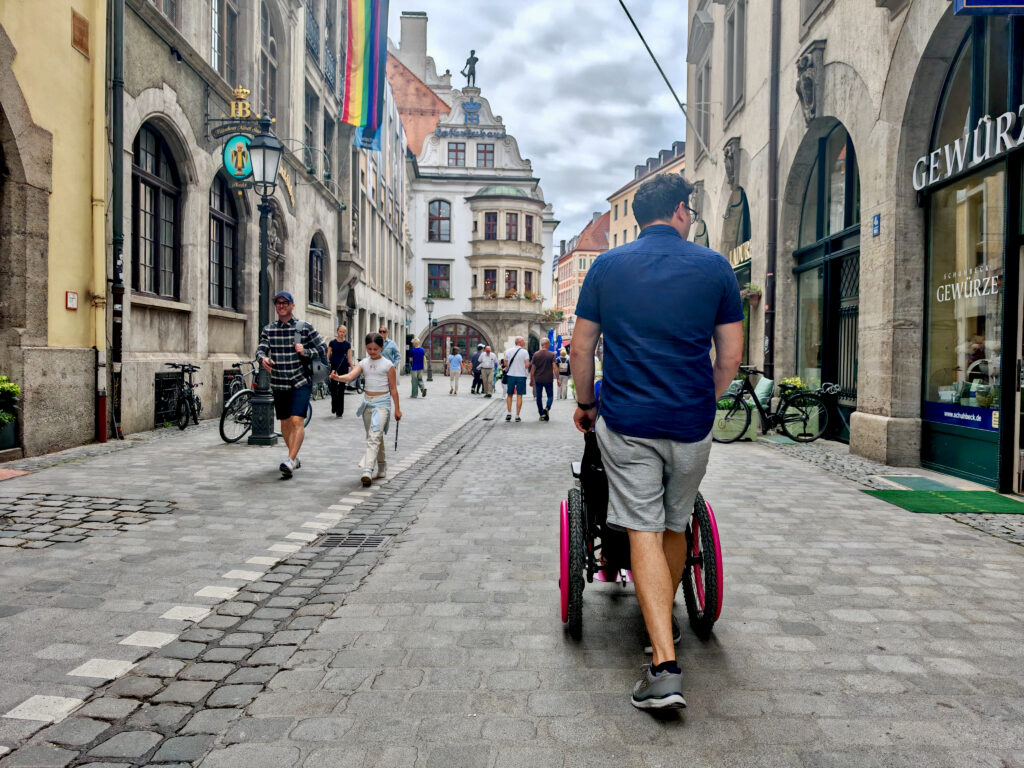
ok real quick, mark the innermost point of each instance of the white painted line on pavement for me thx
(105, 669)
(264, 560)
(50, 709)
(194, 613)
(301, 536)
(150, 639)
(221, 593)
(284, 548)
(243, 575)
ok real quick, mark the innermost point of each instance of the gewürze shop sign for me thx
(990, 139)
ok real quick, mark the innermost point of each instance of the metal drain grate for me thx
(353, 540)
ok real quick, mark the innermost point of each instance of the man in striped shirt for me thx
(285, 359)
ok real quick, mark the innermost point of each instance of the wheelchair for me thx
(592, 551)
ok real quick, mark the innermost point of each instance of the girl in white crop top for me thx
(380, 381)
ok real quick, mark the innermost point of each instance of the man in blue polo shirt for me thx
(660, 301)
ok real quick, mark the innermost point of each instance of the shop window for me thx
(511, 226)
(965, 302)
(484, 155)
(439, 224)
(457, 153)
(491, 226)
(832, 198)
(156, 193)
(439, 281)
(223, 245)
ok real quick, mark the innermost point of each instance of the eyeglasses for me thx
(282, 303)
(693, 213)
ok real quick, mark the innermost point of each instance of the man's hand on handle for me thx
(268, 364)
(585, 419)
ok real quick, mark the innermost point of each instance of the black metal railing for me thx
(312, 34)
(329, 67)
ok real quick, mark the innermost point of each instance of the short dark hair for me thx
(658, 198)
(374, 338)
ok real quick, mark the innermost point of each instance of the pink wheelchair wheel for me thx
(720, 581)
(563, 553)
(702, 574)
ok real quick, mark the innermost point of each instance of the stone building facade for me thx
(53, 187)
(192, 242)
(480, 227)
(622, 226)
(896, 229)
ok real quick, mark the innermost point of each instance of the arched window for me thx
(440, 221)
(223, 245)
(442, 338)
(268, 63)
(156, 192)
(316, 271)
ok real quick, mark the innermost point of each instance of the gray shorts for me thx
(652, 482)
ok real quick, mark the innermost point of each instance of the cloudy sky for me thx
(572, 82)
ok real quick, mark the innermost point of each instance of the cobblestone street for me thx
(209, 631)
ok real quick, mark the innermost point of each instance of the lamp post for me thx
(430, 334)
(265, 153)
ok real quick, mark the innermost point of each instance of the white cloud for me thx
(573, 83)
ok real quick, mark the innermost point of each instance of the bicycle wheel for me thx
(236, 420)
(577, 559)
(197, 409)
(181, 412)
(237, 385)
(309, 415)
(702, 575)
(732, 418)
(804, 417)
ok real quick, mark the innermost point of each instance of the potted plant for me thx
(752, 293)
(793, 381)
(9, 394)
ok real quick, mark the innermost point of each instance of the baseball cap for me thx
(479, 346)
(284, 295)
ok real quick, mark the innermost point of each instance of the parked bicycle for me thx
(236, 419)
(320, 391)
(801, 415)
(239, 380)
(188, 405)
(830, 394)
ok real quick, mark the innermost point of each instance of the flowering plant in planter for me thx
(793, 381)
(752, 293)
(9, 394)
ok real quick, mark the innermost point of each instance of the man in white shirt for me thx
(514, 363)
(488, 360)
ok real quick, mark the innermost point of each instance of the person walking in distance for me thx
(283, 356)
(381, 381)
(453, 367)
(514, 364)
(564, 371)
(488, 360)
(475, 361)
(390, 348)
(657, 408)
(416, 356)
(339, 355)
(543, 372)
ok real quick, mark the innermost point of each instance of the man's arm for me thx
(263, 349)
(581, 361)
(728, 354)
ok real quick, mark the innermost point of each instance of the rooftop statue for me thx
(469, 71)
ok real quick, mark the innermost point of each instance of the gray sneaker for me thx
(661, 691)
(677, 635)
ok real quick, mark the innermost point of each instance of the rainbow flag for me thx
(365, 59)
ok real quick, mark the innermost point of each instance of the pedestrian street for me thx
(213, 634)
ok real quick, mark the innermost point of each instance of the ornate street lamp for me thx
(265, 154)
(430, 333)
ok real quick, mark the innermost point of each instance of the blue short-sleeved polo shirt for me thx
(658, 300)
